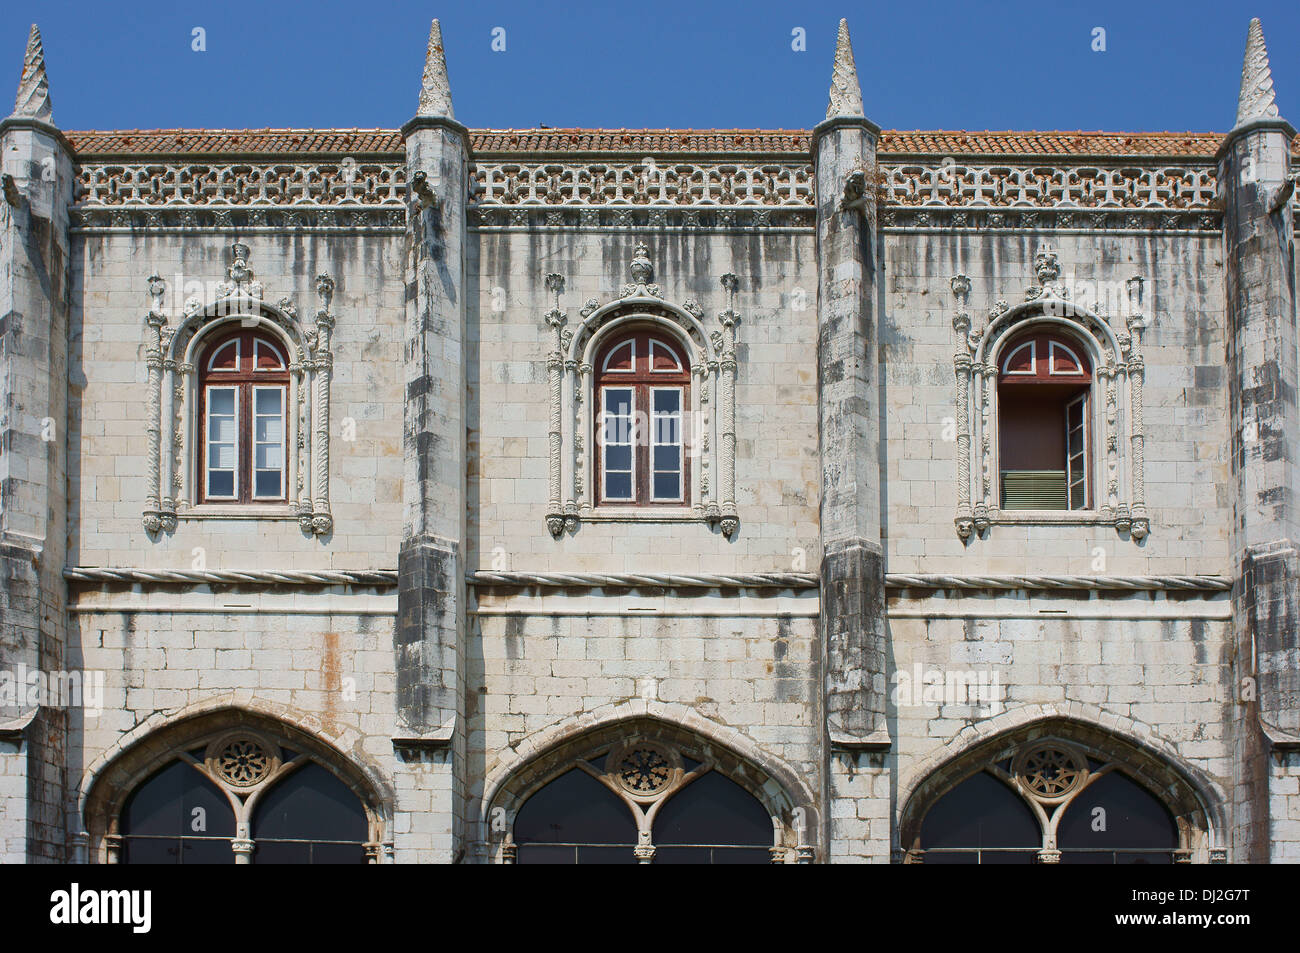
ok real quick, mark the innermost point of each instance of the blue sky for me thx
(958, 64)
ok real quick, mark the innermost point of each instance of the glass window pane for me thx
(618, 400)
(616, 429)
(269, 430)
(267, 483)
(221, 483)
(221, 401)
(618, 457)
(267, 400)
(226, 358)
(668, 458)
(221, 456)
(668, 401)
(667, 429)
(618, 486)
(668, 486)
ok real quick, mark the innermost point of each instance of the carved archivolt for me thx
(1114, 346)
(712, 433)
(172, 400)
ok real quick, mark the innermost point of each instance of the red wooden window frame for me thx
(1052, 376)
(642, 380)
(243, 379)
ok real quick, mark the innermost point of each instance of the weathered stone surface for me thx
(848, 307)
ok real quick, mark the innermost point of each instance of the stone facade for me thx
(442, 615)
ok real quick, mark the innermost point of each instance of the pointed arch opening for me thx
(1057, 792)
(232, 786)
(646, 791)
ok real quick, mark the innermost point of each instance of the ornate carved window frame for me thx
(712, 359)
(172, 400)
(1114, 350)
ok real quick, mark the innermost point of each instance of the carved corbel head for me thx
(13, 195)
(641, 269)
(960, 285)
(1047, 266)
(325, 289)
(157, 289)
(856, 196)
(421, 190)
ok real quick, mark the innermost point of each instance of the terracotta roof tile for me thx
(641, 142)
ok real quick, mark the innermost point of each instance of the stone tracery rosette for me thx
(1114, 346)
(172, 400)
(712, 357)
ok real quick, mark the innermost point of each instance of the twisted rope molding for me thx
(754, 580)
(935, 581)
(292, 577)
(771, 580)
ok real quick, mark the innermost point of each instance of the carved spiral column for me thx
(986, 379)
(708, 488)
(154, 361)
(322, 522)
(182, 473)
(582, 427)
(169, 478)
(555, 320)
(962, 365)
(1141, 524)
(1108, 502)
(727, 398)
(292, 457)
(700, 438)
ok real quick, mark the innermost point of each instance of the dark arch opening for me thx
(713, 820)
(177, 816)
(981, 820)
(310, 817)
(1116, 820)
(574, 820)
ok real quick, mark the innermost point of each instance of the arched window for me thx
(243, 402)
(1045, 424)
(311, 817)
(642, 801)
(642, 399)
(178, 816)
(243, 798)
(1048, 802)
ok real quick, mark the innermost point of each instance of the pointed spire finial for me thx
(33, 99)
(1256, 100)
(435, 91)
(846, 94)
